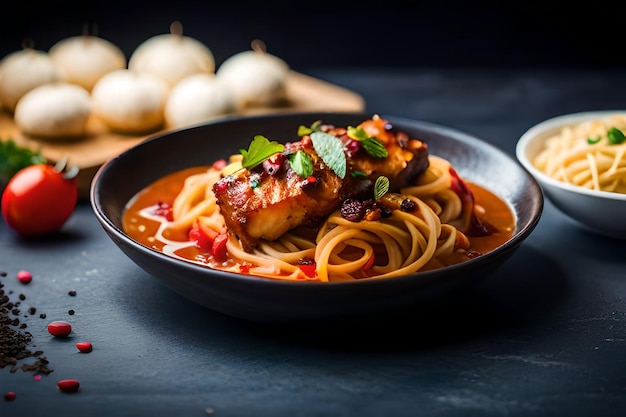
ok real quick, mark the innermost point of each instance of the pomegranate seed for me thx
(24, 277)
(59, 328)
(84, 347)
(219, 164)
(68, 385)
(10, 396)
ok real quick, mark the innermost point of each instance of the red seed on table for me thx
(84, 347)
(59, 328)
(24, 277)
(10, 396)
(68, 385)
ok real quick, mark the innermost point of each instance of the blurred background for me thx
(324, 33)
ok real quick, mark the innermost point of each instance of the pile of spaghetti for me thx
(590, 154)
(422, 225)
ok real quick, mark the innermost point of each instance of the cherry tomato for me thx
(39, 199)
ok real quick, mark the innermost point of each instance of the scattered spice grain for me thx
(15, 342)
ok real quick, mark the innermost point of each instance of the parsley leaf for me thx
(13, 158)
(330, 149)
(301, 164)
(260, 149)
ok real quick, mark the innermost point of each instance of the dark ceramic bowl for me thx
(275, 301)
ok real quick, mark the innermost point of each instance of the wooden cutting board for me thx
(304, 93)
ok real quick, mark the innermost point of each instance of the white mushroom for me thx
(54, 111)
(255, 77)
(172, 56)
(196, 99)
(23, 70)
(130, 102)
(85, 59)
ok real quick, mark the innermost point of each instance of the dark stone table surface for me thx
(545, 335)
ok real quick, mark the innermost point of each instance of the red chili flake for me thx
(311, 179)
(68, 385)
(10, 396)
(24, 277)
(84, 347)
(59, 328)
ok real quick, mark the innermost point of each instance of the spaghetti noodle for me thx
(426, 225)
(591, 154)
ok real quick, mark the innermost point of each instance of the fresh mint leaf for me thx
(381, 186)
(374, 148)
(371, 145)
(330, 149)
(301, 164)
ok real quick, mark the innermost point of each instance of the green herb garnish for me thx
(371, 145)
(381, 186)
(315, 127)
(615, 136)
(358, 174)
(301, 164)
(592, 141)
(13, 158)
(330, 149)
(260, 149)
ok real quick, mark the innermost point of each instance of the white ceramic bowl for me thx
(601, 212)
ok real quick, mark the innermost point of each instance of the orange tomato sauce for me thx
(494, 211)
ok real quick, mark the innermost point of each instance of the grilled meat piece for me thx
(407, 159)
(265, 203)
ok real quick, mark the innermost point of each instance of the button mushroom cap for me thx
(255, 77)
(196, 99)
(54, 111)
(23, 70)
(172, 56)
(130, 102)
(85, 59)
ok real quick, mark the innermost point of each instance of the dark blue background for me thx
(322, 34)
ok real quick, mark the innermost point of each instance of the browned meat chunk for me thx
(264, 204)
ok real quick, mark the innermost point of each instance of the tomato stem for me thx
(61, 167)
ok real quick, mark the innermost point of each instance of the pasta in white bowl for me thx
(580, 161)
